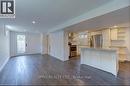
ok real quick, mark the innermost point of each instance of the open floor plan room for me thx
(46, 70)
(65, 42)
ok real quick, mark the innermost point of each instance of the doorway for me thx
(21, 44)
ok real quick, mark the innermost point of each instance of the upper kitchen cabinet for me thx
(118, 34)
(114, 34)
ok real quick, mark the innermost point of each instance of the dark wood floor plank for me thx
(36, 69)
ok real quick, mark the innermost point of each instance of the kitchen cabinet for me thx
(114, 34)
(118, 34)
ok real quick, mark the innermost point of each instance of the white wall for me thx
(34, 44)
(4, 47)
(128, 42)
(58, 45)
(66, 46)
(106, 38)
(33, 41)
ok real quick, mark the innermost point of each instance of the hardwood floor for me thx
(46, 70)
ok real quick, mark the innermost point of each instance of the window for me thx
(83, 36)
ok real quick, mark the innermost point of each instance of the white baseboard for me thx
(4, 64)
(25, 54)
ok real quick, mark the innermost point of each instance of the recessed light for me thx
(33, 22)
(115, 26)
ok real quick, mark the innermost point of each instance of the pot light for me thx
(33, 22)
(115, 26)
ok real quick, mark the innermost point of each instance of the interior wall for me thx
(128, 42)
(66, 46)
(4, 47)
(33, 41)
(106, 38)
(58, 45)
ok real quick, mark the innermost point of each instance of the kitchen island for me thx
(104, 59)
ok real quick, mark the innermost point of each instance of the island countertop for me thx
(102, 49)
(104, 59)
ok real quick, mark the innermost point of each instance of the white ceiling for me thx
(119, 18)
(48, 13)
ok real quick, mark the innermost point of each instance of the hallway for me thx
(46, 70)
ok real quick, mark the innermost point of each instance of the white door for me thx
(21, 44)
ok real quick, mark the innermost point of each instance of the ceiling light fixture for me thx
(115, 26)
(33, 22)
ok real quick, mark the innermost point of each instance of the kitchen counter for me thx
(102, 49)
(118, 47)
(104, 59)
